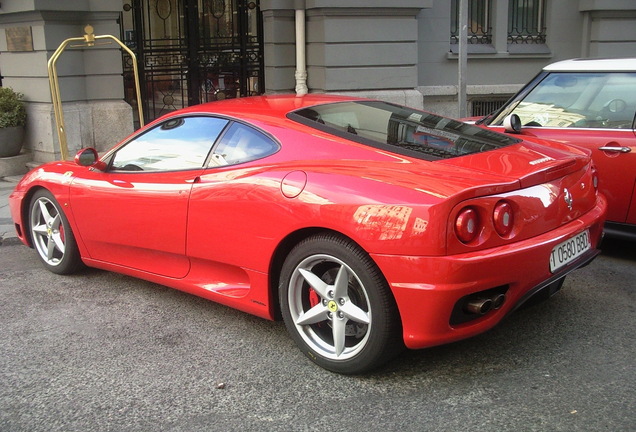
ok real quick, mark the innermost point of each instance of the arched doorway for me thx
(192, 51)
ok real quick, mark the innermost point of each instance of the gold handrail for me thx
(88, 40)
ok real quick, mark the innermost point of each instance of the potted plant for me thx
(12, 121)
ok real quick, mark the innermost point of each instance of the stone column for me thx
(91, 83)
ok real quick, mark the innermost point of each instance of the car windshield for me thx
(576, 99)
(401, 130)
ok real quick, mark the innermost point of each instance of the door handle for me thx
(619, 149)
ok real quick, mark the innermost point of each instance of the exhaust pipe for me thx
(498, 301)
(479, 306)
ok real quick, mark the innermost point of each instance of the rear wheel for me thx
(51, 235)
(337, 306)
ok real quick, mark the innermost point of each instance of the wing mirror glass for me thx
(89, 157)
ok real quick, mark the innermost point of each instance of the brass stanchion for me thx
(88, 40)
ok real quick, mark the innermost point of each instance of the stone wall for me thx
(363, 48)
(574, 28)
(90, 79)
(609, 28)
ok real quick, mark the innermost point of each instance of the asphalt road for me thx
(104, 352)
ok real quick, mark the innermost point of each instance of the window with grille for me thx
(526, 22)
(479, 22)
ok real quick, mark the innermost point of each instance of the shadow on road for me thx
(618, 248)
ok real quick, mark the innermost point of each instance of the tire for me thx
(349, 326)
(51, 235)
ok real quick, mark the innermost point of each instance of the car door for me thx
(614, 154)
(234, 192)
(597, 111)
(135, 213)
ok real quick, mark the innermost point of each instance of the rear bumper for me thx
(427, 289)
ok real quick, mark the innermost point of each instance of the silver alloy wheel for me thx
(47, 231)
(330, 307)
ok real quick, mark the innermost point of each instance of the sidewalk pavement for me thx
(7, 230)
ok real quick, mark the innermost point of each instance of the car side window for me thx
(177, 144)
(241, 143)
(615, 101)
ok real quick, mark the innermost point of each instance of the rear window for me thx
(401, 130)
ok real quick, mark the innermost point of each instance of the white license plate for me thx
(569, 250)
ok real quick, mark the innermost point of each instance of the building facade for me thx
(193, 51)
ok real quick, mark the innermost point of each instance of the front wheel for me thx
(338, 307)
(51, 235)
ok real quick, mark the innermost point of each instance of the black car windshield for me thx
(401, 130)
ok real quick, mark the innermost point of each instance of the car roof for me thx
(594, 65)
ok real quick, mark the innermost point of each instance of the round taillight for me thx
(467, 225)
(503, 218)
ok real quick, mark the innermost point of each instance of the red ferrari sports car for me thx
(367, 226)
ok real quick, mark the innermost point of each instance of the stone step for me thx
(12, 179)
(15, 165)
(32, 164)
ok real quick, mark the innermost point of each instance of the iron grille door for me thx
(193, 51)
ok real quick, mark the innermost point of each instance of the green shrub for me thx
(12, 111)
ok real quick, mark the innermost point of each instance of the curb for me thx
(10, 241)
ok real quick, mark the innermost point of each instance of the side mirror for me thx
(88, 157)
(512, 124)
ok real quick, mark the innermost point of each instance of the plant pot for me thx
(11, 141)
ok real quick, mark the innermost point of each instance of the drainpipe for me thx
(462, 61)
(301, 67)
